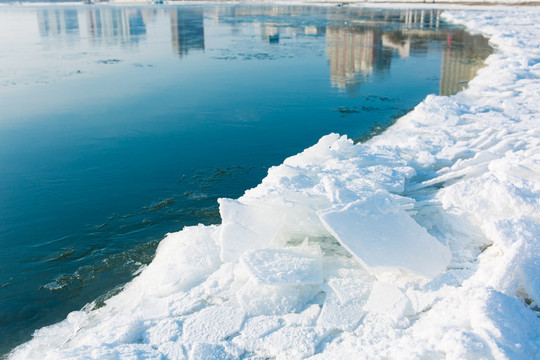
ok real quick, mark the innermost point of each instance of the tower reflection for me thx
(463, 56)
(53, 22)
(359, 43)
(187, 30)
(99, 24)
(359, 49)
(115, 25)
(354, 53)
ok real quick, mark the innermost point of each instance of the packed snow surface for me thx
(422, 243)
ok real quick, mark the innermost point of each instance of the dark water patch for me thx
(376, 98)
(108, 61)
(256, 56)
(65, 255)
(378, 128)
(347, 111)
(160, 205)
(125, 263)
(362, 109)
(139, 65)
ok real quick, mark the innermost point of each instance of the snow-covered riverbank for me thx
(421, 243)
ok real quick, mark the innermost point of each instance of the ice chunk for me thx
(508, 322)
(212, 324)
(518, 275)
(281, 280)
(173, 350)
(295, 342)
(259, 326)
(348, 290)
(288, 342)
(318, 153)
(203, 351)
(246, 227)
(167, 330)
(182, 259)
(388, 299)
(283, 266)
(379, 233)
(344, 303)
(254, 330)
(274, 299)
(306, 318)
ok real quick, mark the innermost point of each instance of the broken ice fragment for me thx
(246, 227)
(283, 267)
(390, 300)
(382, 236)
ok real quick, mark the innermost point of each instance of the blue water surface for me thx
(120, 124)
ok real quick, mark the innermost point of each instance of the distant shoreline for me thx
(369, 3)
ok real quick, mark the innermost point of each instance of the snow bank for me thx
(422, 243)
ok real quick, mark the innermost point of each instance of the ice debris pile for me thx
(421, 244)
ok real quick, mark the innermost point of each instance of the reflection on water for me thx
(53, 22)
(187, 30)
(359, 43)
(356, 51)
(362, 42)
(116, 25)
(270, 33)
(463, 56)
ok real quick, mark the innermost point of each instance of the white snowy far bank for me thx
(440, 215)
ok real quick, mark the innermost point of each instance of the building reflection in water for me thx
(463, 56)
(360, 48)
(364, 42)
(274, 22)
(187, 30)
(359, 43)
(354, 53)
(270, 33)
(54, 22)
(115, 24)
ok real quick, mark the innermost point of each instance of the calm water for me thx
(120, 124)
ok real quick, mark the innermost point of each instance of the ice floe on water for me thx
(422, 243)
